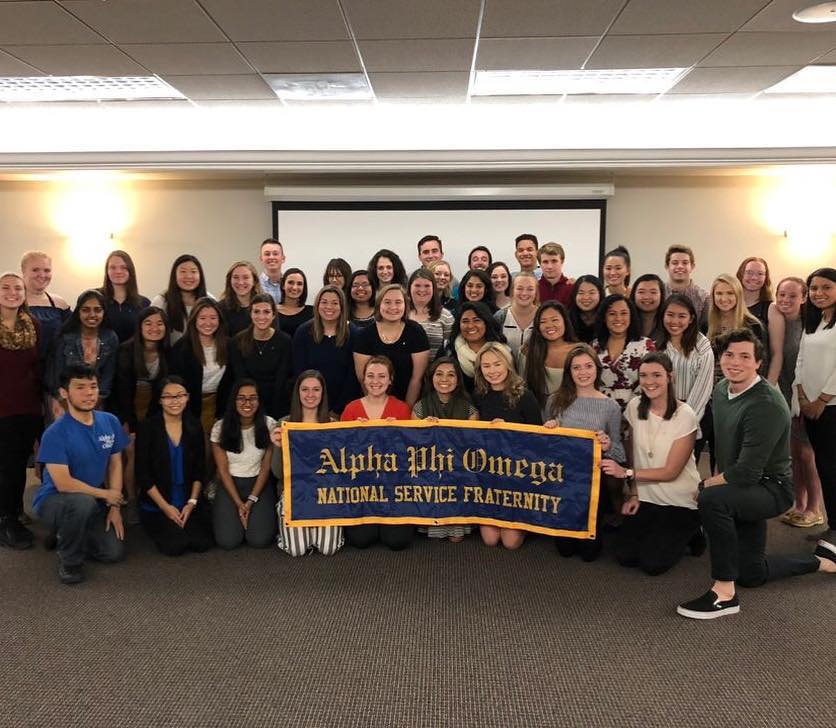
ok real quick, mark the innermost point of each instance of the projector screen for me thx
(314, 232)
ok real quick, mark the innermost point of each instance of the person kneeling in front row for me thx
(752, 427)
(81, 494)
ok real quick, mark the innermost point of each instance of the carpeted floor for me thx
(442, 634)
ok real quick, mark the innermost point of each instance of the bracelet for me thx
(826, 401)
(192, 501)
(252, 498)
(631, 496)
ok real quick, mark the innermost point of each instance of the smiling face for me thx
(653, 380)
(499, 280)
(385, 270)
(823, 293)
(615, 271)
(676, 319)
(442, 276)
(429, 252)
(91, 313)
(647, 296)
(187, 276)
(392, 306)
(524, 291)
(361, 289)
(12, 292)
(618, 318)
(272, 258)
(262, 315)
(81, 394)
(479, 260)
(421, 292)
(526, 254)
(207, 321)
(294, 284)
(738, 364)
(242, 281)
(472, 327)
(789, 297)
(246, 402)
(583, 371)
(173, 399)
(117, 270)
(37, 274)
(754, 276)
(310, 393)
(587, 297)
(679, 268)
(329, 307)
(725, 299)
(153, 328)
(552, 325)
(445, 380)
(494, 369)
(376, 380)
(474, 290)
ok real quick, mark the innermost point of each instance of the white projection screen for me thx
(314, 232)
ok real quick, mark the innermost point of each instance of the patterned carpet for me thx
(442, 634)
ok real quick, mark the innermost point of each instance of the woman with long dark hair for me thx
(500, 275)
(361, 299)
(240, 287)
(186, 286)
(337, 273)
(245, 503)
(587, 295)
(661, 507)
(171, 472)
(647, 295)
(326, 345)
(476, 287)
(386, 268)
(21, 418)
(293, 311)
(85, 339)
(542, 359)
(264, 354)
(308, 403)
(122, 300)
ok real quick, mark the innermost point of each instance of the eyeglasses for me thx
(252, 399)
(174, 397)
(360, 285)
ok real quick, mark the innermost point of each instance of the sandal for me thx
(808, 521)
(790, 517)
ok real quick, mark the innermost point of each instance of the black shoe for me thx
(697, 544)
(15, 535)
(708, 606)
(825, 550)
(70, 574)
(51, 541)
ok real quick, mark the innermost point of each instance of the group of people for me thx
(168, 411)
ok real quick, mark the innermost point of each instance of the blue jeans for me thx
(79, 522)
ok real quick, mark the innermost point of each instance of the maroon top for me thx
(560, 291)
(20, 381)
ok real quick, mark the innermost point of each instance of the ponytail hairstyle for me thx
(245, 338)
(621, 252)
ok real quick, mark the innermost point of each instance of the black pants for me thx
(609, 499)
(822, 434)
(707, 439)
(734, 519)
(17, 438)
(656, 537)
(172, 540)
(396, 538)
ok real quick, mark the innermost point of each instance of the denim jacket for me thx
(68, 350)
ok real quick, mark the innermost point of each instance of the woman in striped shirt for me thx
(690, 352)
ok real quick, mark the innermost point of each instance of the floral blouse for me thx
(621, 375)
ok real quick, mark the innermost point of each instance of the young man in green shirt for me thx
(751, 424)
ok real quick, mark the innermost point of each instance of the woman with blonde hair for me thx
(48, 309)
(500, 395)
(753, 275)
(240, 287)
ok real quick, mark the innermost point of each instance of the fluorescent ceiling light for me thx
(821, 13)
(85, 88)
(321, 87)
(809, 80)
(607, 81)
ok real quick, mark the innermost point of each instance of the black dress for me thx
(412, 340)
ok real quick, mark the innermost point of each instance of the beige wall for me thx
(224, 220)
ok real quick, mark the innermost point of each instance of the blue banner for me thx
(450, 472)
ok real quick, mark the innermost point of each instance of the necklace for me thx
(652, 435)
(261, 346)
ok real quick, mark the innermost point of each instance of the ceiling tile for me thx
(828, 58)
(684, 16)
(279, 19)
(221, 87)
(37, 23)
(188, 58)
(538, 18)
(79, 60)
(147, 21)
(771, 49)
(778, 16)
(411, 85)
(10, 66)
(409, 19)
(417, 55)
(653, 51)
(731, 80)
(506, 54)
(309, 57)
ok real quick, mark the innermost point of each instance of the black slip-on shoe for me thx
(14, 535)
(70, 574)
(825, 550)
(708, 606)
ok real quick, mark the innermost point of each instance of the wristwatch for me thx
(252, 498)
(192, 501)
(629, 473)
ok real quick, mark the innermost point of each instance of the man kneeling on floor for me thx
(81, 494)
(754, 483)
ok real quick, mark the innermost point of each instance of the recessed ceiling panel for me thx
(188, 58)
(539, 18)
(684, 16)
(10, 66)
(411, 85)
(771, 49)
(417, 55)
(309, 57)
(222, 87)
(38, 23)
(292, 20)
(372, 19)
(731, 80)
(653, 51)
(505, 54)
(778, 16)
(79, 60)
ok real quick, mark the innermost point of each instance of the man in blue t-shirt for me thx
(81, 494)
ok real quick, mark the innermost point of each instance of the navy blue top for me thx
(335, 363)
(121, 317)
